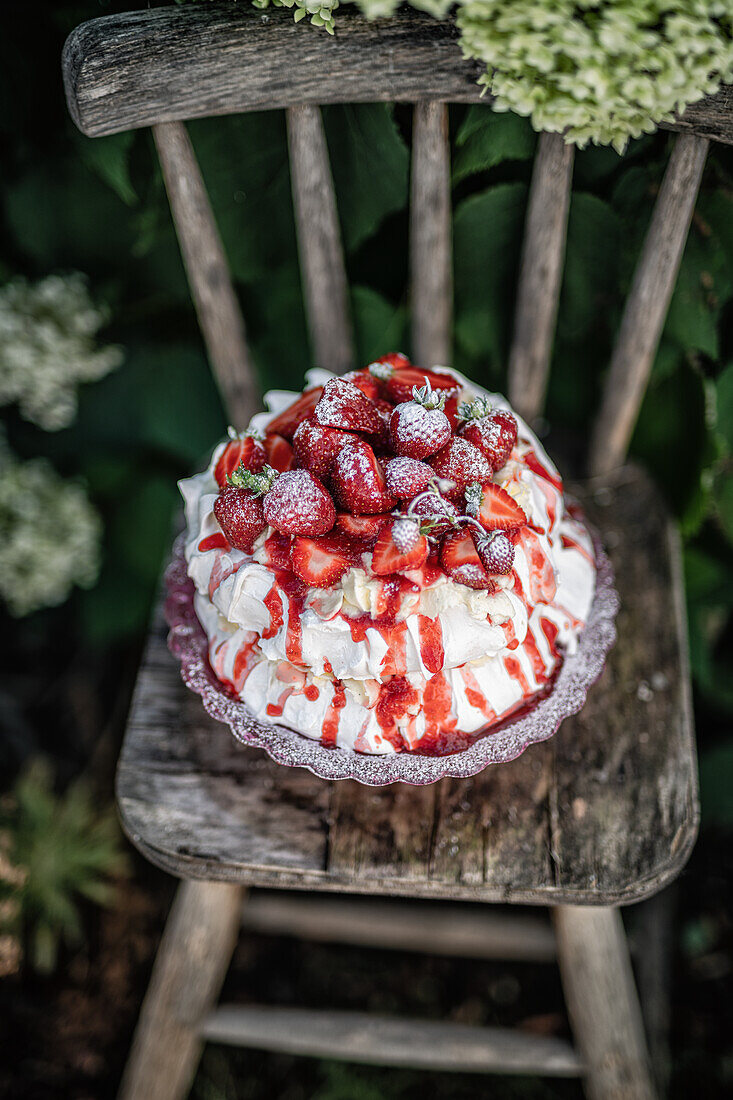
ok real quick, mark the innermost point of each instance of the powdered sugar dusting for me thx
(406, 477)
(298, 503)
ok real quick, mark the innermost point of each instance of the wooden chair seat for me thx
(603, 813)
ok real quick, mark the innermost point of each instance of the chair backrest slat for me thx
(216, 303)
(647, 303)
(431, 261)
(319, 242)
(540, 275)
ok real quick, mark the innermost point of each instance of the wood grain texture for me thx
(392, 1041)
(319, 242)
(605, 812)
(189, 969)
(431, 259)
(216, 303)
(647, 304)
(602, 1003)
(540, 275)
(139, 68)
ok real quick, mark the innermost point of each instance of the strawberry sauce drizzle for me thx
(531, 460)
(330, 728)
(274, 605)
(217, 541)
(431, 643)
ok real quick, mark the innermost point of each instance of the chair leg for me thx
(653, 936)
(192, 960)
(602, 1003)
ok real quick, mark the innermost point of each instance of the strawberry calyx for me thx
(428, 397)
(258, 484)
(477, 409)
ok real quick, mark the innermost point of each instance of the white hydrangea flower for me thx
(50, 535)
(47, 346)
(320, 11)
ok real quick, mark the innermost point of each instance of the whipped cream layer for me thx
(380, 664)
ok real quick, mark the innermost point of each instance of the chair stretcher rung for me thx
(440, 929)
(391, 1041)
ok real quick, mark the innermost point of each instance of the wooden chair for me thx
(602, 815)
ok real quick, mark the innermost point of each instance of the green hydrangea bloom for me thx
(47, 346)
(49, 535)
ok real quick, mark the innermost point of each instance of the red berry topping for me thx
(399, 379)
(400, 547)
(406, 477)
(493, 431)
(287, 421)
(358, 481)
(317, 447)
(451, 411)
(461, 463)
(431, 507)
(279, 453)
(365, 381)
(240, 515)
(360, 527)
(244, 450)
(419, 428)
(343, 405)
(297, 504)
(493, 507)
(380, 439)
(319, 562)
(460, 560)
(496, 551)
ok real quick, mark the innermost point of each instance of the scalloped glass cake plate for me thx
(187, 641)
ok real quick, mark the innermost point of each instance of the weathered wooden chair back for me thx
(155, 68)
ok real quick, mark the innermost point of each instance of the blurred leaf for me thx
(724, 407)
(486, 234)
(487, 138)
(109, 157)
(591, 271)
(379, 327)
(723, 496)
(716, 784)
(370, 166)
(141, 526)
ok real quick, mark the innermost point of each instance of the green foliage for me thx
(55, 852)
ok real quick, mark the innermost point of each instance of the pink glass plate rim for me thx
(187, 641)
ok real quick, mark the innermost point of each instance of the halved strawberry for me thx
(287, 421)
(360, 527)
(461, 562)
(398, 380)
(364, 381)
(343, 405)
(461, 463)
(319, 562)
(399, 547)
(279, 453)
(246, 450)
(358, 481)
(494, 508)
(317, 446)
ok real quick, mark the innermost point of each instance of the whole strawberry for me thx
(461, 463)
(493, 431)
(239, 506)
(358, 481)
(297, 504)
(316, 447)
(419, 428)
(246, 449)
(397, 377)
(406, 477)
(496, 551)
(436, 514)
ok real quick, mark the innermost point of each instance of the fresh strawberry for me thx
(496, 551)
(451, 411)
(461, 463)
(380, 439)
(406, 477)
(360, 527)
(317, 447)
(493, 507)
(343, 405)
(297, 504)
(239, 507)
(493, 431)
(287, 421)
(366, 382)
(358, 481)
(460, 560)
(243, 450)
(319, 562)
(419, 428)
(398, 377)
(400, 547)
(279, 453)
(437, 510)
